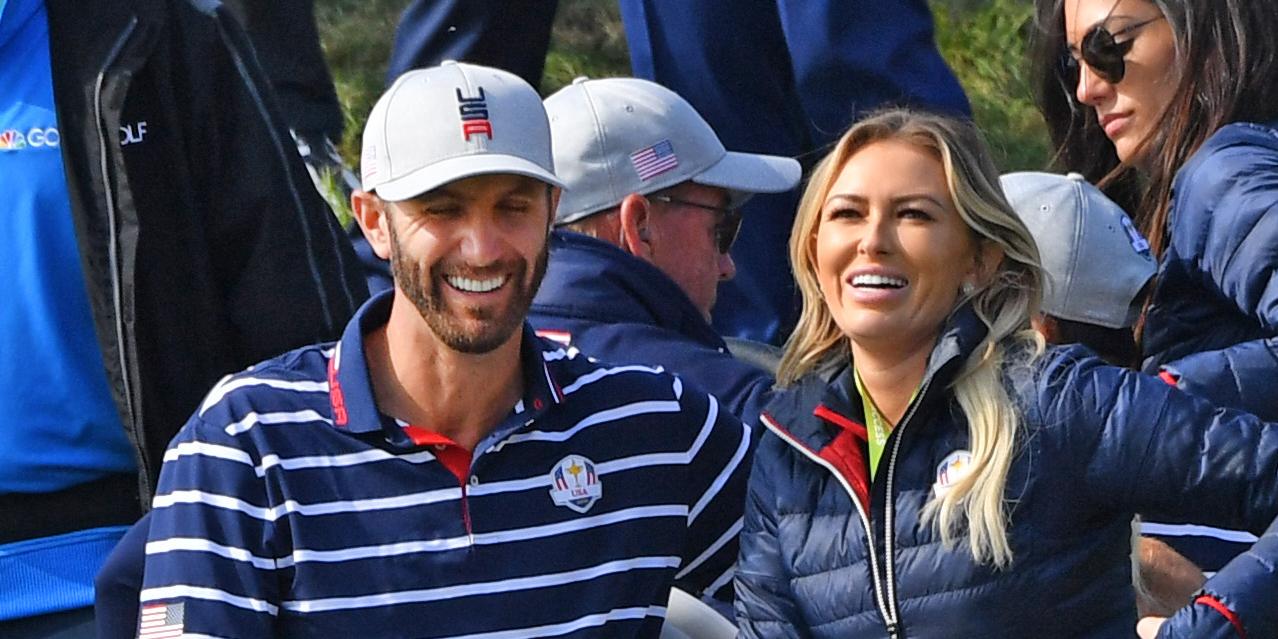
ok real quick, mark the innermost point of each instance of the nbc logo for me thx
(12, 140)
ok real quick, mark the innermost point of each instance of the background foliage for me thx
(983, 40)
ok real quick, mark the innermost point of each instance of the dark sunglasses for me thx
(725, 228)
(1103, 53)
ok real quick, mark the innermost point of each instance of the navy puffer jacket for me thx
(1213, 320)
(827, 553)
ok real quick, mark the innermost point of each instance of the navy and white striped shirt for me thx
(289, 505)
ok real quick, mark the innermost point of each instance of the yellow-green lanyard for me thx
(876, 426)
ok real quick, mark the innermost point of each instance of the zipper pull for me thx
(894, 631)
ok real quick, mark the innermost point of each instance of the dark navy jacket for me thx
(1213, 321)
(621, 309)
(827, 553)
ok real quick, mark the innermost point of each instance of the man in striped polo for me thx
(440, 471)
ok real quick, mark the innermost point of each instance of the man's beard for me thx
(495, 325)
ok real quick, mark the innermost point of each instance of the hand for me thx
(1169, 580)
(1148, 627)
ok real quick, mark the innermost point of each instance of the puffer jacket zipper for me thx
(885, 582)
(889, 509)
(886, 608)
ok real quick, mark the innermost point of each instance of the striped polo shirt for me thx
(289, 505)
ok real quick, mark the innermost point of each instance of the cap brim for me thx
(459, 168)
(745, 174)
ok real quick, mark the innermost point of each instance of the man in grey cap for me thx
(649, 211)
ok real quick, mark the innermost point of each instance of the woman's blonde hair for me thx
(1005, 304)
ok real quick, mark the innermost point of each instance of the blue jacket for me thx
(1213, 321)
(827, 553)
(621, 309)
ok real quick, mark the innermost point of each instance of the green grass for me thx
(982, 40)
(357, 37)
(587, 40)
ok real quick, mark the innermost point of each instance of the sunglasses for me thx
(1103, 53)
(725, 229)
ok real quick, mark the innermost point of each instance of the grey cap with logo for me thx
(1095, 262)
(446, 123)
(617, 136)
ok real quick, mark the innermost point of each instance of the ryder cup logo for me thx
(956, 466)
(575, 483)
(474, 115)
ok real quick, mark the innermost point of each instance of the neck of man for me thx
(420, 380)
(891, 375)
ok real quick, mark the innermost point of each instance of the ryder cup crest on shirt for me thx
(952, 470)
(575, 484)
(617, 136)
(438, 125)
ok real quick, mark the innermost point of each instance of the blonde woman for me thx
(931, 470)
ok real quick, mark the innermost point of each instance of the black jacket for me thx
(205, 247)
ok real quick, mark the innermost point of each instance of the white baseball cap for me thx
(618, 136)
(454, 121)
(1094, 259)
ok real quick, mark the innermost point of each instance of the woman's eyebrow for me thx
(1073, 48)
(853, 198)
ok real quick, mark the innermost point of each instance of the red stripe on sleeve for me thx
(1215, 604)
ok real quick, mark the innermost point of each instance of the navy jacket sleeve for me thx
(1143, 446)
(1248, 583)
(1226, 208)
(288, 274)
(765, 603)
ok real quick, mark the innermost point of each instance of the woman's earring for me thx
(967, 288)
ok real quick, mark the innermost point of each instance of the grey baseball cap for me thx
(453, 121)
(617, 136)
(1095, 262)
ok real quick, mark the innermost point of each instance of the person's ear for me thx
(374, 220)
(635, 214)
(1047, 327)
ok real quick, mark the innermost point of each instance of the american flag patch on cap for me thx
(649, 162)
(161, 621)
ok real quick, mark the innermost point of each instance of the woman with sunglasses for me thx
(1172, 106)
(930, 469)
